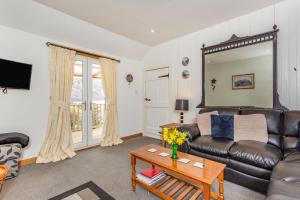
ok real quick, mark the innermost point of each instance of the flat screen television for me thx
(15, 75)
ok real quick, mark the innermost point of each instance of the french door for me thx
(87, 103)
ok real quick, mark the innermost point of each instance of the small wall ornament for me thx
(185, 74)
(185, 61)
(213, 84)
(129, 78)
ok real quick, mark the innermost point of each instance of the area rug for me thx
(87, 191)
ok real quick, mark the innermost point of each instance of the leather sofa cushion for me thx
(293, 156)
(290, 130)
(284, 188)
(288, 152)
(290, 143)
(287, 171)
(7, 138)
(255, 153)
(217, 147)
(275, 140)
(291, 121)
(210, 156)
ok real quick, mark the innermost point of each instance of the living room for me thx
(140, 73)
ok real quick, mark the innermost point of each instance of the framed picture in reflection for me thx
(243, 81)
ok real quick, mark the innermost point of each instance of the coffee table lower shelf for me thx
(171, 188)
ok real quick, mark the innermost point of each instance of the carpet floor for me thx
(109, 168)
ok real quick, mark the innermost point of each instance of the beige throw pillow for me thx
(204, 122)
(250, 127)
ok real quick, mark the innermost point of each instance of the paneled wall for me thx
(286, 16)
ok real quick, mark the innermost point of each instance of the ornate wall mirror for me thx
(241, 72)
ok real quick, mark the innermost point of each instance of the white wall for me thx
(172, 52)
(27, 111)
(22, 110)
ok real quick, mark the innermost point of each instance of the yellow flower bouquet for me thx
(175, 138)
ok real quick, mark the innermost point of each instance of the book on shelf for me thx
(151, 181)
(152, 172)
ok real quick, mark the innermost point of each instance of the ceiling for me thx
(168, 18)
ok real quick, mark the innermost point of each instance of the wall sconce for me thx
(213, 83)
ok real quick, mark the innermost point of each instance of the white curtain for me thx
(58, 144)
(110, 135)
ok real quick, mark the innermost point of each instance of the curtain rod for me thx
(81, 52)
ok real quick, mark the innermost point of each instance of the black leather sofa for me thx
(272, 168)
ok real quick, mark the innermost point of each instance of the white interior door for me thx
(87, 103)
(156, 99)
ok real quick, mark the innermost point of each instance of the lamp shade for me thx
(182, 104)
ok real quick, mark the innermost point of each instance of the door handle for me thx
(84, 105)
(91, 106)
(163, 76)
(146, 99)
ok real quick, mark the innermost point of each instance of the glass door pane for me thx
(97, 102)
(78, 104)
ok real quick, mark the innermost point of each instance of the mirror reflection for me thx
(240, 77)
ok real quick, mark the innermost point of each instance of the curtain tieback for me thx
(60, 104)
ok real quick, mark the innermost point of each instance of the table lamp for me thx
(182, 105)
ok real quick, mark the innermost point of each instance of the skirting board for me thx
(130, 137)
(29, 161)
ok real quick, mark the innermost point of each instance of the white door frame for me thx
(158, 136)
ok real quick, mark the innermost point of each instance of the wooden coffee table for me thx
(195, 181)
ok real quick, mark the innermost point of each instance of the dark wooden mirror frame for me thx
(238, 42)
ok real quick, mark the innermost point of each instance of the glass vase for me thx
(174, 151)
